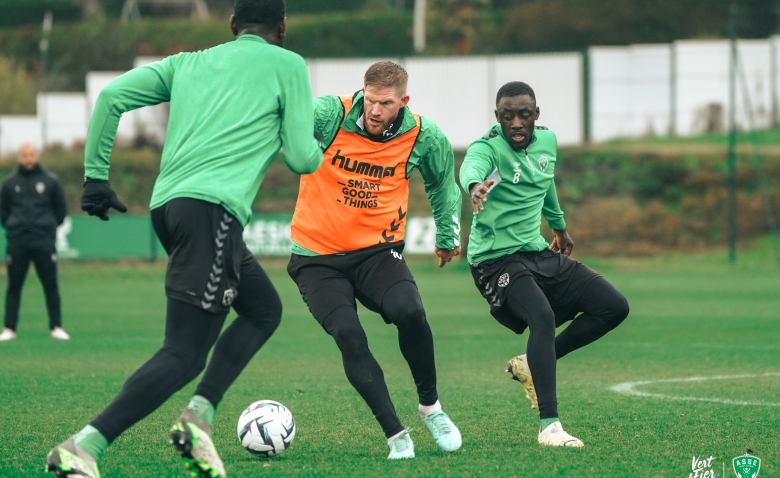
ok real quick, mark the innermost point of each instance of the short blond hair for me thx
(387, 74)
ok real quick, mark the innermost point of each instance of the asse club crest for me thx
(543, 162)
(746, 466)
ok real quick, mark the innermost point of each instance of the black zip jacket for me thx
(32, 205)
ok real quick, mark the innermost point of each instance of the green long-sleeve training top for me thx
(526, 191)
(232, 108)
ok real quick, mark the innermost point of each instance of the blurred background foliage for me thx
(88, 35)
(658, 196)
(17, 89)
(622, 199)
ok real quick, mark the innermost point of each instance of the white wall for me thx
(703, 79)
(454, 93)
(17, 130)
(557, 83)
(635, 90)
(458, 93)
(630, 91)
(755, 72)
(339, 77)
(63, 118)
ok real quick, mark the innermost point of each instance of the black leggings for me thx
(603, 308)
(18, 258)
(190, 332)
(402, 306)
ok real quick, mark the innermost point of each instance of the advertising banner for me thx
(132, 236)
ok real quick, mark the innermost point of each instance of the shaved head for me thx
(28, 156)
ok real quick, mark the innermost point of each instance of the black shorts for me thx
(205, 252)
(561, 279)
(330, 281)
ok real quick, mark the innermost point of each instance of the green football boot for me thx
(445, 432)
(191, 438)
(67, 460)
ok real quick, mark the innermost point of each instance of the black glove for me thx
(97, 197)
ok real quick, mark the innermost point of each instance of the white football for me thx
(266, 428)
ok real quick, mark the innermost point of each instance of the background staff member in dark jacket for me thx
(32, 205)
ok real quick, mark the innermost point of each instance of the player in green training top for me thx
(232, 108)
(528, 283)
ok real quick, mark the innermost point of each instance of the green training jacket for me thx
(525, 191)
(432, 155)
(232, 108)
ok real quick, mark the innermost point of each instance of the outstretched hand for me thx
(561, 242)
(479, 194)
(97, 197)
(446, 255)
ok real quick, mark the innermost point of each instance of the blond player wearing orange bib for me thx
(348, 237)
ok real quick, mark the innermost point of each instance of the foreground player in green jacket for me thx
(232, 108)
(509, 174)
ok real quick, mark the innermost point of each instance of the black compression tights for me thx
(603, 308)
(402, 306)
(190, 333)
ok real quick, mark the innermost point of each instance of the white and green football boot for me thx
(191, 438)
(445, 432)
(401, 447)
(518, 367)
(67, 460)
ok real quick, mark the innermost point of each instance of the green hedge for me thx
(533, 26)
(77, 48)
(616, 201)
(23, 12)
(351, 35)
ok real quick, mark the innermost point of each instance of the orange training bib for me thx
(358, 197)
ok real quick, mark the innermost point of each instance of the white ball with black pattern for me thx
(266, 428)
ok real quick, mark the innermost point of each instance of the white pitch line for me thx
(629, 388)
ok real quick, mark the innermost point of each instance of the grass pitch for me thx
(690, 317)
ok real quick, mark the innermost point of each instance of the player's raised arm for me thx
(302, 153)
(474, 171)
(438, 172)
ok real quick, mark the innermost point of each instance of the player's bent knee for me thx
(542, 322)
(619, 309)
(272, 317)
(346, 331)
(351, 340)
(264, 315)
(191, 364)
(408, 315)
